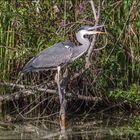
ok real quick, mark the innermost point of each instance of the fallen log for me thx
(31, 90)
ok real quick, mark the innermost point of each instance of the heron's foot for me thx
(62, 121)
(62, 127)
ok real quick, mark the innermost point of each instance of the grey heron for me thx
(60, 54)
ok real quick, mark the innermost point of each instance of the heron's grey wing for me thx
(56, 55)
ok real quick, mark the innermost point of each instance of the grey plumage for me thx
(61, 53)
(56, 55)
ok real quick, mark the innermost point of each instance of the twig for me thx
(101, 48)
(93, 9)
(82, 97)
(27, 92)
(90, 50)
(65, 14)
(77, 74)
(16, 95)
(19, 86)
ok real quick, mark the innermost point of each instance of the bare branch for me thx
(90, 50)
(36, 88)
(93, 9)
(27, 92)
(101, 48)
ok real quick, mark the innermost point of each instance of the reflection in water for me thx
(102, 126)
(28, 121)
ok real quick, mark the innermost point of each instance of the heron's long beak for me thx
(95, 27)
(95, 32)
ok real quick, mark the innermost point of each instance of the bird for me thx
(60, 54)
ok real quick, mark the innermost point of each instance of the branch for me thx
(26, 92)
(19, 86)
(77, 74)
(15, 96)
(101, 48)
(93, 9)
(90, 50)
(82, 97)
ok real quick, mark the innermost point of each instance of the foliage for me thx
(131, 129)
(26, 28)
(132, 94)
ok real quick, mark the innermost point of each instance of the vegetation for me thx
(27, 27)
(109, 86)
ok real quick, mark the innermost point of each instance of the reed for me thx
(27, 28)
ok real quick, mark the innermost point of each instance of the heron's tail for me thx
(28, 67)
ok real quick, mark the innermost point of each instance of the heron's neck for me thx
(83, 41)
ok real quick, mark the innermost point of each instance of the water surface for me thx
(99, 126)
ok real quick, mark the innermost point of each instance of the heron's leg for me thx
(58, 84)
(62, 103)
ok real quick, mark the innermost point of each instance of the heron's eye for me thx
(86, 36)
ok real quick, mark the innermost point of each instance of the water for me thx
(106, 125)
(87, 127)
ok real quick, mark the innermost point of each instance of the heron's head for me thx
(90, 30)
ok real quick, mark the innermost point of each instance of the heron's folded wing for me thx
(56, 55)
